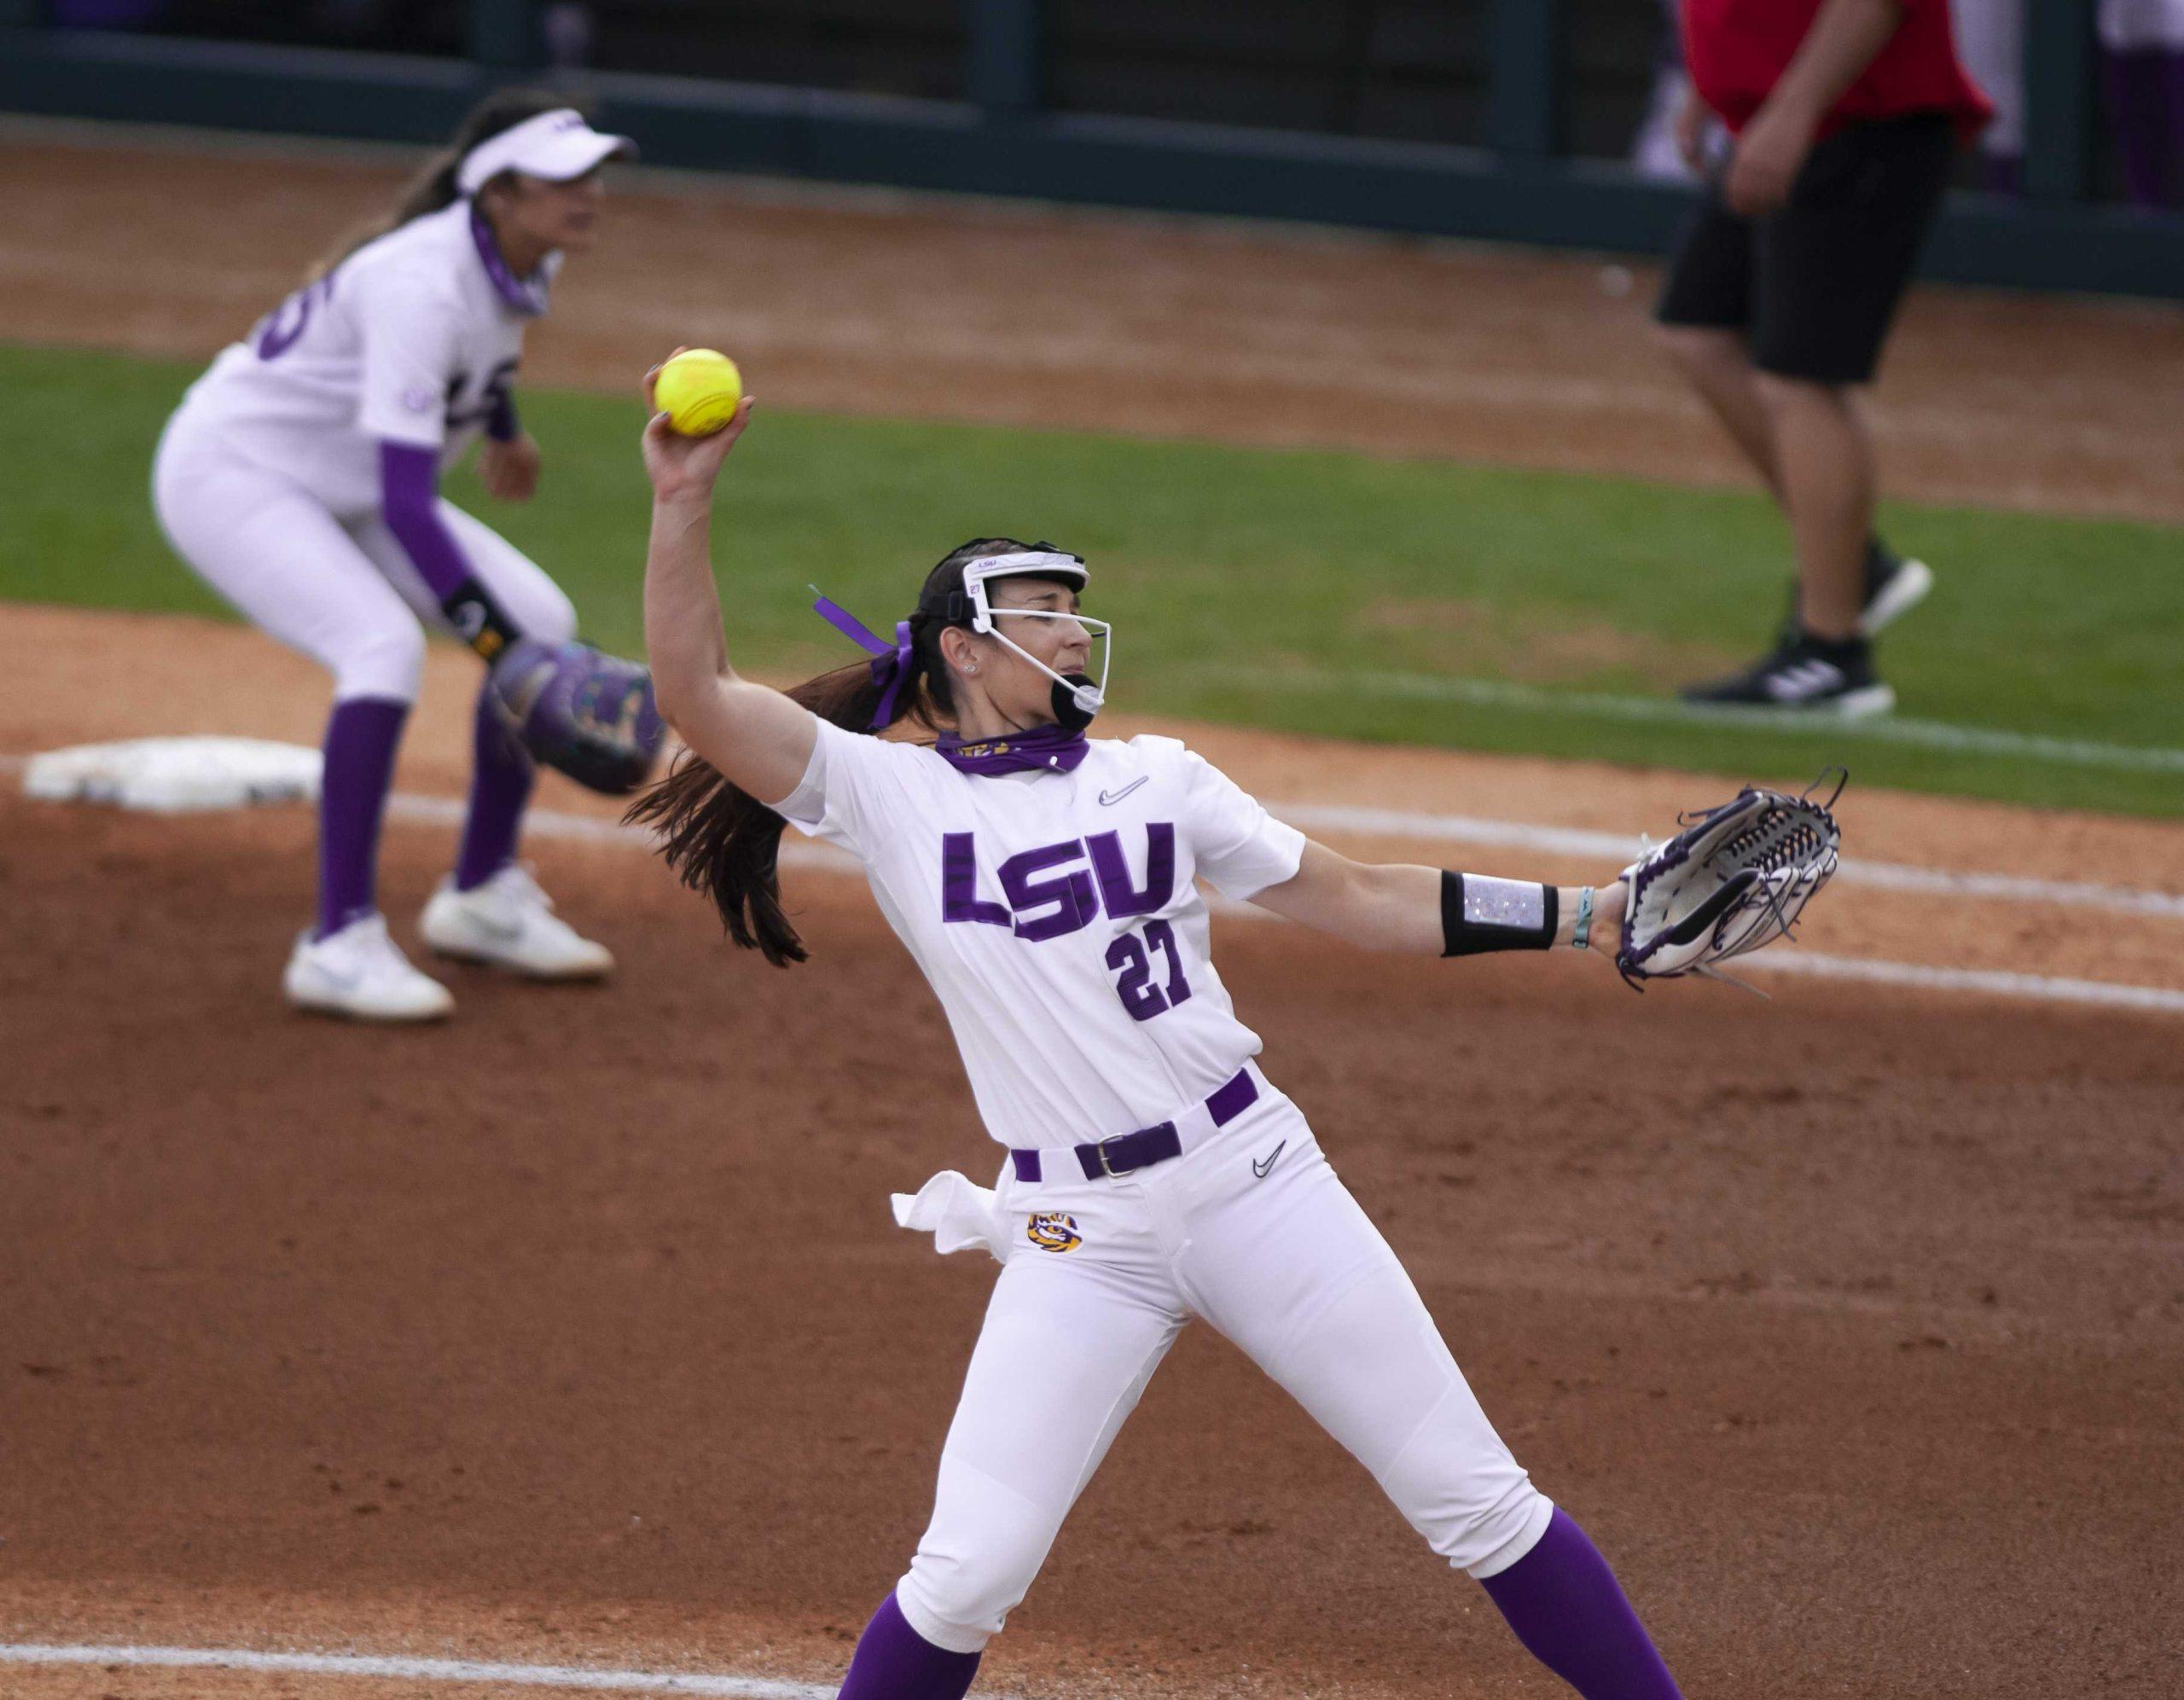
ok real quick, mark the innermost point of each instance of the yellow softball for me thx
(698, 390)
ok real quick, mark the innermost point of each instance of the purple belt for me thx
(1147, 1146)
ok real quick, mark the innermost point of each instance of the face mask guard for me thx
(1076, 698)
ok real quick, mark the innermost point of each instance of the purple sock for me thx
(893, 1662)
(1562, 1600)
(500, 786)
(361, 735)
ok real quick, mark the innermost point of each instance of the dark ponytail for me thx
(724, 842)
(434, 188)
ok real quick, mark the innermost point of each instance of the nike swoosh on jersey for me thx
(1109, 799)
(1263, 1169)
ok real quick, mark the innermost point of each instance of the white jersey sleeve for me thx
(1241, 850)
(850, 787)
(409, 333)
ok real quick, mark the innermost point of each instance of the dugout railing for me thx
(1001, 131)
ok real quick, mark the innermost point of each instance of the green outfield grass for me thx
(1414, 601)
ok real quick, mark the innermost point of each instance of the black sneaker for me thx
(1806, 675)
(1894, 586)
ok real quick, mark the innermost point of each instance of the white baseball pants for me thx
(340, 589)
(1286, 1265)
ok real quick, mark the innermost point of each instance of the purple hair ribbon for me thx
(891, 663)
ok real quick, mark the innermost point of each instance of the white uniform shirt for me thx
(406, 339)
(1058, 918)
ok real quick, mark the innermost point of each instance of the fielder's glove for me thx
(591, 715)
(1734, 879)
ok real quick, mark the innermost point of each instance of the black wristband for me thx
(1480, 914)
(478, 619)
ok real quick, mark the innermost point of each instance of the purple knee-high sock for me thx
(501, 776)
(893, 1662)
(361, 735)
(1562, 1600)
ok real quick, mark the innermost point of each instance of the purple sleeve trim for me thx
(502, 424)
(409, 488)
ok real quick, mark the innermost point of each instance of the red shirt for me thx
(1738, 49)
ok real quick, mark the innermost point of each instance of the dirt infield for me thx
(576, 1332)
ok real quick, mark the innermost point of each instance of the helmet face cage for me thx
(1086, 699)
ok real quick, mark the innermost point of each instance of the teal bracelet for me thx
(1580, 934)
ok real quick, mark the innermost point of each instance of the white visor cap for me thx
(559, 146)
(1024, 563)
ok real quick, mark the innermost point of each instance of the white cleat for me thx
(362, 974)
(509, 923)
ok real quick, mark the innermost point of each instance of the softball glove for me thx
(588, 714)
(1734, 879)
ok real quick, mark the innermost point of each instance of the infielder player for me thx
(1046, 884)
(299, 477)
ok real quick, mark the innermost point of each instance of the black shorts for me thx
(1816, 283)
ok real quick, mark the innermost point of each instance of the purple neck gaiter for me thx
(524, 295)
(1562, 1601)
(893, 1662)
(1043, 747)
(361, 736)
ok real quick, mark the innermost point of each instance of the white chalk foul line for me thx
(1930, 734)
(2025, 988)
(417, 1670)
(2032, 988)
(1616, 847)
(1996, 983)
(1622, 847)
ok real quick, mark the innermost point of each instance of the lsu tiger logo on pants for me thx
(1052, 1231)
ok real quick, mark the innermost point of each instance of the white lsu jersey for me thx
(1058, 918)
(407, 339)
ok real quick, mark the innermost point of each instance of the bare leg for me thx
(1825, 458)
(1719, 365)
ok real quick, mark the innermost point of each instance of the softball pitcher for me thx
(1046, 885)
(299, 477)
